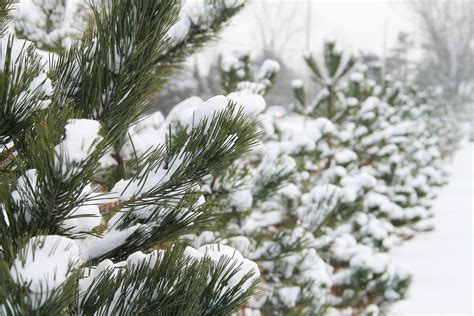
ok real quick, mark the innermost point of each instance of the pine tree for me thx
(101, 199)
(90, 220)
(334, 184)
(53, 25)
(259, 200)
(382, 152)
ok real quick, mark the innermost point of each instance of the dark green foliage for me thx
(198, 34)
(178, 286)
(110, 75)
(5, 8)
(19, 95)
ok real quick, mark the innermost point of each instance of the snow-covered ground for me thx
(441, 261)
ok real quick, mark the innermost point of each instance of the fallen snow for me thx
(26, 189)
(345, 156)
(93, 247)
(86, 216)
(289, 295)
(68, 19)
(182, 111)
(297, 84)
(200, 13)
(268, 67)
(241, 200)
(318, 204)
(441, 261)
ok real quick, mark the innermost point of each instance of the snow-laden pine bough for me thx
(89, 220)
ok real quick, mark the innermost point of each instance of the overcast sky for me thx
(370, 25)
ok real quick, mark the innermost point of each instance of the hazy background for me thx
(424, 43)
(289, 27)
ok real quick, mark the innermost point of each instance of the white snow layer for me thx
(30, 19)
(441, 261)
(148, 134)
(192, 111)
(318, 204)
(268, 67)
(86, 216)
(216, 251)
(297, 84)
(93, 247)
(44, 264)
(26, 190)
(82, 136)
(199, 13)
(251, 103)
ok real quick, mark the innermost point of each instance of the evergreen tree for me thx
(100, 199)
(256, 200)
(382, 151)
(334, 184)
(90, 221)
(53, 24)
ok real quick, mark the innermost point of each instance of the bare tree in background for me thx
(279, 31)
(448, 42)
(276, 25)
(399, 62)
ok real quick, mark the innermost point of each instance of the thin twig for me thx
(4, 155)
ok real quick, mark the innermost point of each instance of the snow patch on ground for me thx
(441, 261)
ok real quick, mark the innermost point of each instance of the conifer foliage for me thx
(336, 181)
(89, 218)
(223, 205)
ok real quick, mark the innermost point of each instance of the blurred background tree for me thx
(447, 38)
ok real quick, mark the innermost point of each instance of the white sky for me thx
(368, 25)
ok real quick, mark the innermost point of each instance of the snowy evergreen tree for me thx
(259, 203)
(90, 218)
(53, 24)
(108, 209)
(334, 184)
(382, 151)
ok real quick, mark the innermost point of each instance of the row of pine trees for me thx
(223, 206)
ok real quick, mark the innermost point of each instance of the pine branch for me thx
(23, 88)
(168, 283)
(109, 73)
(184, 163)
(53, 185)
(199, 35)
(5, 8)
(207, 148)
